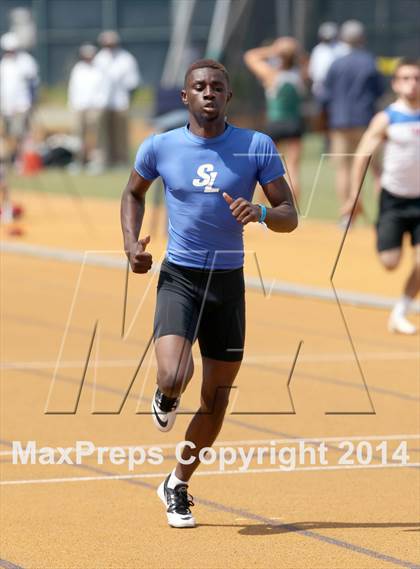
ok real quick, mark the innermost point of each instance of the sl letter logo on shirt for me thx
(206, 179)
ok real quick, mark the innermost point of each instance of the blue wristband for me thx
(263, 213)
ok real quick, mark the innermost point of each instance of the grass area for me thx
(318, 199)
(59, 181)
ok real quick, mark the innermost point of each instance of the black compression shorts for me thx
(204, 305)
(397, 215)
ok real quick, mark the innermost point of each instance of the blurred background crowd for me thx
(73, 94)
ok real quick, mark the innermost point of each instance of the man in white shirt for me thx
(121, 76)
(87, 99)
(18, 83)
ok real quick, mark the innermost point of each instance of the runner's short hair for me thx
(405, 61)
(205, 63)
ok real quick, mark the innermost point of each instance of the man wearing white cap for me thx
(324, 53)
(121, 76)
(18, 83)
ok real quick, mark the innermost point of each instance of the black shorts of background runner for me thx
(204, 305)
(283, 130)
(397, 215)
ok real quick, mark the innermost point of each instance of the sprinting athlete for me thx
(209, 169)
(398, 127)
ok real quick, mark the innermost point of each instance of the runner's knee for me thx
(172, 380)
(215, 401)
(390, 259)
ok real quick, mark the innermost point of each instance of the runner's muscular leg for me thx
(390, 258)
(175, 364)
(412, 285)
(218, 378)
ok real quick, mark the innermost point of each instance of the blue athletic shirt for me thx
(196, 171)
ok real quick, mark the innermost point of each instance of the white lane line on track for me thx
(206, 473)
(106, 259)
(282, 358)
(249, 442)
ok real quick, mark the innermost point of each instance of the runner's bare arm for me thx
(281, 217)
(370, 142)
(132, 212)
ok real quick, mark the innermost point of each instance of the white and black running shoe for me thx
(164, 410)
(177, 502)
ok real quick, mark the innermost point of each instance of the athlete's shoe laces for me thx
(177, 504)
(165, 404)
(178, 500)
(164, 410)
